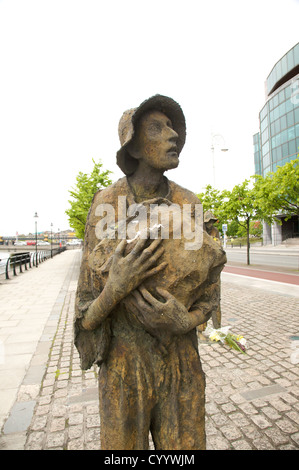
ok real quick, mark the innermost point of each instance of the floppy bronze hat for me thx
(129, 118)
(208, 215)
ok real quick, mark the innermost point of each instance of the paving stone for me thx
(242, 445)
(76, 444)
(231, 432)
(55, 439)
(218, 443)
(15, 441)
(35, 441)
(276, 436)
(271, 413)
(251, 395)
(39, 423)
(286, 425)
(20, 417)
(263, 444)
(75, 418)
(57, 424)
(74, 432)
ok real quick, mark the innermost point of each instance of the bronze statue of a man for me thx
(138, 304)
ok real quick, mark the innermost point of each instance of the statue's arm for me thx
(170, 314)
(125, 275)
(201, 311)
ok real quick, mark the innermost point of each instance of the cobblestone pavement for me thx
(252, 399)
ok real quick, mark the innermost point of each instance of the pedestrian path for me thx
(30, 307)
(251, 400)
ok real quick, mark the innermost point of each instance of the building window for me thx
(285, 150)
(292, 147)
(265, 136)
(288, 105)
(263, 113)
(264, 123)
(284, 136)
(275, 101)
(290, 119)
(290, 59)
(266, 170)
(265, 148)
(283, 122)
(291, 133)
(288, 92)
(266, 160)
(281, 97)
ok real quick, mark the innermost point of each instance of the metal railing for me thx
(243, 245)
(17, 262)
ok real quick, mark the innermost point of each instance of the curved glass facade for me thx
(284, 66)
(278, 139)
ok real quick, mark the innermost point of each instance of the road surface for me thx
(265, 258)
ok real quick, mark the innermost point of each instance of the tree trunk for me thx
(248, 243)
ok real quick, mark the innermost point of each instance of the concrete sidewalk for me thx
(30, 308)
(252, 399)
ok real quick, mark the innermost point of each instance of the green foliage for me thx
(241, 204)
(255, 228)
(256, 199)
(279, 191)
(212, 200)
(243, 207)
(237, 208)
(87, 185)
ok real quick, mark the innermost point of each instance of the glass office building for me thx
(277, 141)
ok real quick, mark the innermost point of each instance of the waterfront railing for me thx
(18, 262)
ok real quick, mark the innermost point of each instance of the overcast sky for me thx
(69, 68)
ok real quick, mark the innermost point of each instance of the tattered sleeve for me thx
(91, 345)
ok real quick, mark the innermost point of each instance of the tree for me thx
(241, 206)
(212, 200)
(87, 185)
(279, 191)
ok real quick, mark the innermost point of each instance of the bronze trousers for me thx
(142, 390)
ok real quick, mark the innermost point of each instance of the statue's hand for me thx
(128, 272)
(170, 314)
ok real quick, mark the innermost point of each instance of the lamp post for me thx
(36, 216)
(51, 241)
(216, 138)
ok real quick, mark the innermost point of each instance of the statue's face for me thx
(154, 141)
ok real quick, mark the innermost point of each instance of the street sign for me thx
(224, 227)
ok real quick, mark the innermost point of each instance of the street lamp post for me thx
(51, 241)
(215, 138)
(36, 216)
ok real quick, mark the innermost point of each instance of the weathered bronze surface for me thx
(138, 304)
(209, 220)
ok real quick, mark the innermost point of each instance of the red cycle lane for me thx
(261, 274)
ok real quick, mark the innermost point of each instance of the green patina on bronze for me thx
(138, 304)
